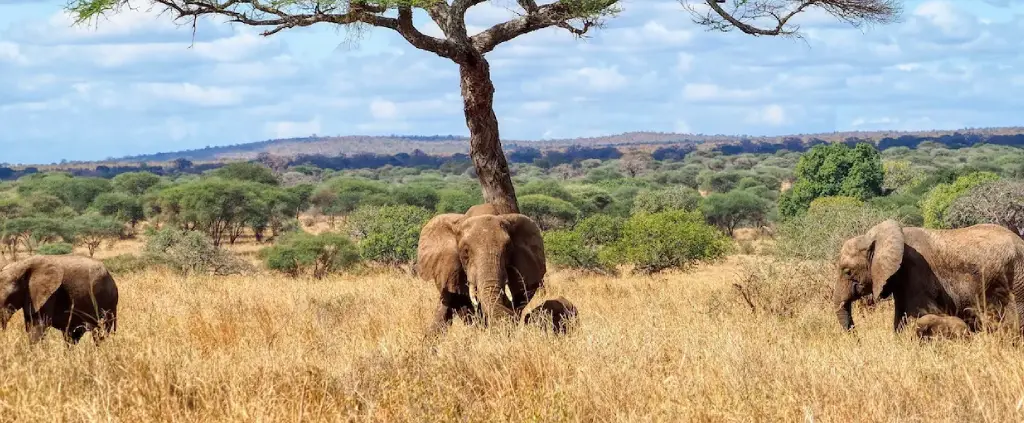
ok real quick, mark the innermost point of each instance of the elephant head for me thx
(865, 264)
(481, 253)
(33, 280)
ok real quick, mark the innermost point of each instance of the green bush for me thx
(737, 207)
(417, 195)
(942, 196)
(566, 249)
(674, 198)
(549, 212)
(832, 202)
(301, 252)
(546, 187)
(672, 239)
(456, 201)
(389, 234)
(191, 252)
(599, 229)
(55, 249)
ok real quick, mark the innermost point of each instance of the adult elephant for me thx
(71, 293)
(478, 254)
(946, 272)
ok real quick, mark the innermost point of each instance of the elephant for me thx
(561, 311)
(478, 254)
(71, 293)
(932, 271)
(935, 326)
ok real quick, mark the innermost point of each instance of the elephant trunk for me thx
(843, 301)
(490, 292)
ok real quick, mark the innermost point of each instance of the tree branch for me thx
(779, 13)
(559, 14)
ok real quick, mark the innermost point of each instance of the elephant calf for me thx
(71, 293)
(560, 311)
(935, 326)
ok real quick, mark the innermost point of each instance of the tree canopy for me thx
(578, 17)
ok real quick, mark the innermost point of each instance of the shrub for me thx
(546, 187)
(55, 249)
(672, 239)
(590, 199)
(321, 254)
(548, 212)
(565, 248)
(456, 201)
(818, 234)
(599, 229)
(675, 198)
(389, 234)
(729, 210)
(191, 252)
(942, 196)
(999, 202)
(418, 195)
(126, 263)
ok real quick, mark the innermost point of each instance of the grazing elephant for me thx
(949, 272)
(560, 310)
(68, 292)
(478, 254)
(935, 326)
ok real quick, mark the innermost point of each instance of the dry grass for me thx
(678, 347)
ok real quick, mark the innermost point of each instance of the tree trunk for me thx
(484, 142)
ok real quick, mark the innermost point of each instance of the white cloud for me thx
(383, 109)
(537, 107)
(293, 129)
(713, 92)
(772, 114)
(192, 94)
(684, 62)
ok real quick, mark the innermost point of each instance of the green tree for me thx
(121, 206)
(468, 51)
(135, 183)
(247, 171)
(833, 170)
(548, 187)
(92, 230)
(418, 195)
(728, 211)
(599, 230)
(549, 212)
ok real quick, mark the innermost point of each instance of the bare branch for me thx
(744, 14)
(281, 15)
(559, 14)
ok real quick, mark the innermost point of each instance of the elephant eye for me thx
(847, 272)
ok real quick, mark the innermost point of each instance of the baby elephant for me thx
(935, 326)
(560, 310)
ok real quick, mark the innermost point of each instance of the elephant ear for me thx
(527, 252)
(43, 281)
(885, 253)
(437, 255)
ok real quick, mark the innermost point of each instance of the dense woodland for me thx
(599, 207)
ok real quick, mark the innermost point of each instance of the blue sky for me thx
(132, 85)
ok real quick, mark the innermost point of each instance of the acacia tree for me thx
(755, 17)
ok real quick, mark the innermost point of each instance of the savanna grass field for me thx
(740, 339)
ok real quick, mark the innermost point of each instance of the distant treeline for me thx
(545, 159)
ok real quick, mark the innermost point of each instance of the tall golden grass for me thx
(675, 347)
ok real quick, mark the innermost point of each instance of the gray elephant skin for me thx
(73, 294)
(925, 271)
(481, 253)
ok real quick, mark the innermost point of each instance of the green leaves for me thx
(831, 170)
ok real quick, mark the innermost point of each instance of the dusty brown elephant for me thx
(68, 292)
(935, 326)
(946, 272)
(561, 312)
(478, 254)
